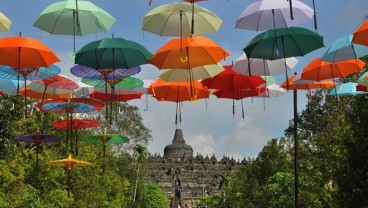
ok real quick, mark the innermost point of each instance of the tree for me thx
(142, 155)
(153, 197)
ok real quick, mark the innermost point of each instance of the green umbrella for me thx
(176, 19)
(112, 53)
(104, 139)
(74, 17)
(283, 43)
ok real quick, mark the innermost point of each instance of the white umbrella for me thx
(258, 67)
(273, 90)
(196, 73)
(272, 14)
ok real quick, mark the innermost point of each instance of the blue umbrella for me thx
(9, 87)
(342, 49)
(344, 89)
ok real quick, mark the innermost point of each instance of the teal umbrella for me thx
(74, 17)
(104, 139)
(344, 89)
(112, 53)
(343, 49)
(283, 43)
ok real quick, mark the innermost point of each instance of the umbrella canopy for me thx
(321, 70)
(77, 124)
(273, 90)
(272, 14)
(112, 53)
(74, 17)
(125, 83)
(196, 73)
(22, 52)
(258, 67)
(74, 105)
(58, 82)
(362, 88)
(9, 87)
(69, 163)
(104, 139)
(7, 72)
(116, 97)
(360, 34)
(239, 94)
(233, 81)
(296, 83)
(188, 53)
(175, 19)
(363, 80)
(283, 43)
(343, 49)
(177, 91)
(103, 74)
(4, 23)
(349, 88)
(40, 92)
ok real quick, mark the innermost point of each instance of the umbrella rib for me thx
(53, 27)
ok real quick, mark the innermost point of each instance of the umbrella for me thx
(73, 17)
(177, 19)
(104, 139)
(4, 23)
(349, 88)
(343, 49)
(37, 139)
(112, 53)
(258, 67)
(272, 14)
(69, 163)
(283, 43)
(362, 88)
(9, 87)
(30, 73)
(56, 82)
(178, 92)
(103, 74)
(76, 124)
(124, 83)
(319, 70)
(38, 91)
(121, 97)
(363, 80)
(70, 106)
(360, 34)
(196, 73)
(195, 51)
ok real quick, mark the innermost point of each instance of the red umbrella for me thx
(360, 34)
(117, 97)
(57, 82)
(76, 124)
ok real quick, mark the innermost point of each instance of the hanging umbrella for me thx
(69, 163)
(37, 139)
(273, 14)
(343, 49)
(4, 23)
(119, 97)
(69, 107)
(58, 85)
(360, 34)
(74, 17)
(283, 43)
(258, 67)
(178, 92)
(9, 87)
(194, 52)
(30, 73)
(349, 88)
(76, 124)
(112, 53)
(103, 74)
(319, 70)
(363, 80)
(269, 81)
(124, 83)
(197, 73)
(38, 91)
(273, 90)
(361, 88)
(104, 139)
(177, 19)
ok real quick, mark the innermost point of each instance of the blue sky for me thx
(214, 131)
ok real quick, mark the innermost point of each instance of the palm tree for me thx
(224, 183)
(142, 155)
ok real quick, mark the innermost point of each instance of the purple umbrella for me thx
(37, 139)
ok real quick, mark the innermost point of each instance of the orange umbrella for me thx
(297, 84)
(69, 163)
(42, 96)
(187, 53)
(22, 52)
(321, 70)
(360, 35)
(178, 92)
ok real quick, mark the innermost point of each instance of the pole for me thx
(296, 182)
(68, 172)
(104, 158)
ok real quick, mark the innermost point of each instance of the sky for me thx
(213, 130)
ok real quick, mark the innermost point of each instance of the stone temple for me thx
(186, 177)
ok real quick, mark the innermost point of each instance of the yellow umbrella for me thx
(69, 163)
(4, 23)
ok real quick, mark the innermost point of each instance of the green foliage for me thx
(153, 197)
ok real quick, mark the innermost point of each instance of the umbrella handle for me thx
(184, 59)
